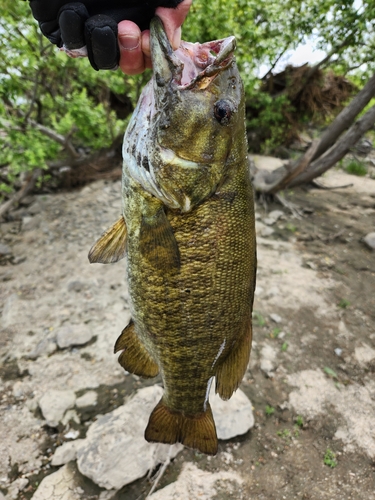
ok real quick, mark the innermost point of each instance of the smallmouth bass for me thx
(187, 231)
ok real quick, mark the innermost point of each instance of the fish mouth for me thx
(202, 62)
(192, 65)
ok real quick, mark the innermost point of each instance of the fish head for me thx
(198, 94)
(195, 119)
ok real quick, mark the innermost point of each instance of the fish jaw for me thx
(180, 137)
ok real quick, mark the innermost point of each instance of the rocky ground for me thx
(71, 421)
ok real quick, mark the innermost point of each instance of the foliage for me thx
(39, 85)
(330, 458)
(355, 167)
(269, 411)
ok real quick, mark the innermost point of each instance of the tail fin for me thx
(195, 431)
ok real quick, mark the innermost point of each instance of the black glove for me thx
(93, 24)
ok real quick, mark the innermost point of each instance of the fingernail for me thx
(130, 42)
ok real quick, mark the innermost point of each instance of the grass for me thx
(258, 319)
(343, 303)
(356, 167)
(330, 372)
(275, 333)
(284, 347)
(330, 458)
(299, 421)
(270, 410)
(285, 433)
(291, 227)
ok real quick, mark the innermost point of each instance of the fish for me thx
(187, 232)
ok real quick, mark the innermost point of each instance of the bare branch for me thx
(338, 150)
(24, 191)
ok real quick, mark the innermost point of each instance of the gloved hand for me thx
(89, 27)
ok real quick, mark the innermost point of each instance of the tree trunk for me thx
(338, 150)
(329, 150)
(344, 119)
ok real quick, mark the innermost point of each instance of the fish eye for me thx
(223, 111)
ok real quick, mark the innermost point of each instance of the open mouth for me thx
(200, 63)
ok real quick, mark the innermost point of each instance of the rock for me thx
(70, 415)
(234, 417)
(54, 404)
(4, 249)
(107, 495)
(72, 434)
(273, 217)
(115, 452)
(364, 354)
(338, 351)
(66, 452)
(61, 485)
(10, 311)
(369, 239)
(17, 486)
(71, 335)
(194, 483)
(75, 286)
(263, 230)
(267, 359)
(2, 497)
(44, 348)
(276, 318)
(88, 399)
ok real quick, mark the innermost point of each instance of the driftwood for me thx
(326, 152)
(24, 191)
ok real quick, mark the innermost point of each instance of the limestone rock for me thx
(115, 452)
(369, 239)
(194, 483)
(60, 485)
(66, 452)
(4, 249)
(71, 335)
(88, 399)
(233, 417)
(267, 359)
(54, 404)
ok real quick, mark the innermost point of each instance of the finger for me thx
(146, 43)
(131, 56)
(46, 15)
(173, 19)
(72, 18)
(101, 41)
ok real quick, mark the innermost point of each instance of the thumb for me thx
(173, 19)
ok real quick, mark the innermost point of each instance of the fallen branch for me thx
(24, 191)
(302, 164)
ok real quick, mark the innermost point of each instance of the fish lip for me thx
(223, 48)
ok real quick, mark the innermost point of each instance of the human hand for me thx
(90, 28)
(135, 55)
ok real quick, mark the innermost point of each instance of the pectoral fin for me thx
(111, 246)
(157, 241)
(135, 358)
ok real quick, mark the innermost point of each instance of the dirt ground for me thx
(311, 378)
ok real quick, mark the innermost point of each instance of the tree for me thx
(57, 112)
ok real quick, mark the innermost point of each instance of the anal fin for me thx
(230, 373)
(134, 357)
(195, 431)
(157, 241)
(111, 246)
